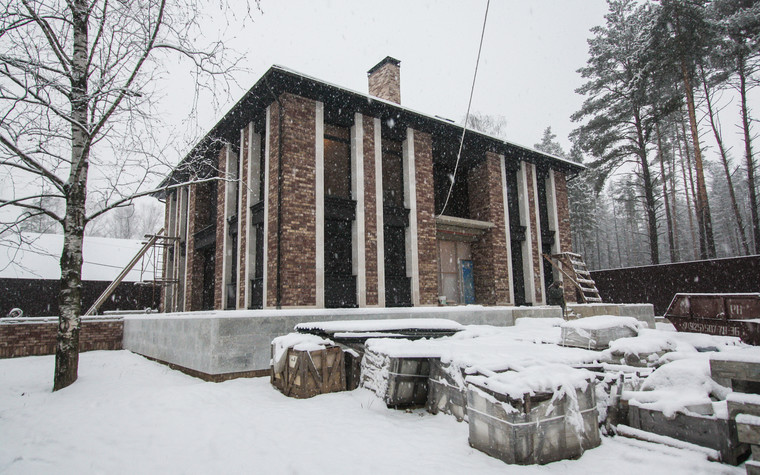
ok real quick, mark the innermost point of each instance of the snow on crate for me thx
(597, 332)
(538, 415)
(683, 386)
(298, 342)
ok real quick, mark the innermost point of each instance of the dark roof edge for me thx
(217, 130)
(379, 65)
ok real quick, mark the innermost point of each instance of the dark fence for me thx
(658, 284)
(39, 298)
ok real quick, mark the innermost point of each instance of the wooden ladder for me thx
(573, 267)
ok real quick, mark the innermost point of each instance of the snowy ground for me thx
(127, 414)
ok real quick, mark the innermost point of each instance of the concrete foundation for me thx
(218, 345)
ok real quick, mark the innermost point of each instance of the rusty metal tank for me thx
(717, 314)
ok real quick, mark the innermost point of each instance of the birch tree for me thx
(77, 80)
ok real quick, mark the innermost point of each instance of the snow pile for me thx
(381, 325)
(551, 378)
(656, 347)
(683, 386)
(487, 349)
(137, 416)
(749, 354)
(597, 332)
(298, 342)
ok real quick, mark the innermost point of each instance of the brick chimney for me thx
(385, 80)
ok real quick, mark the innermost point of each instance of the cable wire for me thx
(467, 115)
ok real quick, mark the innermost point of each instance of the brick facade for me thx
(221, 192)
(489, 253)
(290, 274)
(427, 245)
(370, 211)
(298, 234)
(199, 217)
(534, 237)
(30, 337)
(563, 217)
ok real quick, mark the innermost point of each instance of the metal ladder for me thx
(573, 267)
(157, 243)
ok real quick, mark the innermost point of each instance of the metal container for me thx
(717, 314)
(538, 429)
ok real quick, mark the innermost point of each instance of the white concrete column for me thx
(527, 245)
(358, 229)
(551, 204)
(230, 195)
(410, 201)
(267, 155)
(319, 190)
(541, 301)
(379, 213)
(505, 205)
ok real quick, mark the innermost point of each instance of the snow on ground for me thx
(127, 414)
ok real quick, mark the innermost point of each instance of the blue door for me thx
(468, 284)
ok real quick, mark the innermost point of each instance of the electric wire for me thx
(467, 115)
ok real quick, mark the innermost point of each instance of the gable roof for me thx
(279, 79)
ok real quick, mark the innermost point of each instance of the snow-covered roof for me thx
(37, 256)
(279, 79)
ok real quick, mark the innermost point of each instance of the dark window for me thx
(393, 174)
(337, 161)
(209, 278)
(517, 236)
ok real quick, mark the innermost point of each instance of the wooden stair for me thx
(573, 267)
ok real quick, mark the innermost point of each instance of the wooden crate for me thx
(308, 373)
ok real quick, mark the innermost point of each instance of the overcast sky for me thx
(528, 71)
(527, 74)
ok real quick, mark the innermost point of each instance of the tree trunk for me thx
(70, 297)
(649, 202)
(674, 211)
(748, 154)
(724, 160)
(668, 219)
(688, 185)
(706, 240)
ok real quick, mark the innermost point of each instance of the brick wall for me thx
(221, 193)
(199, 216)
(489, 253)
(37, 336)
(298, 234)
(385, 83)
(563, 217)
(427, 245)
(534, 237)
(370, 211)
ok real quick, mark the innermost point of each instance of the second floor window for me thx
(393, 174)
(337, 161)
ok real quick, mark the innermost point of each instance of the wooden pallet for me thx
(573, 267)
